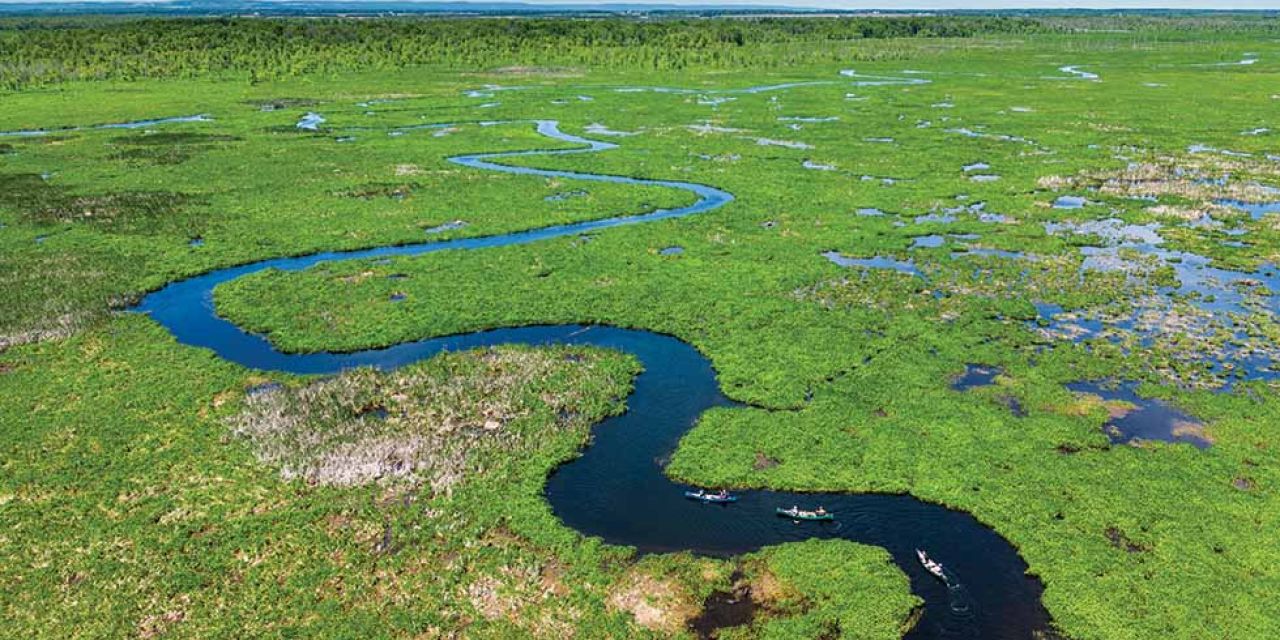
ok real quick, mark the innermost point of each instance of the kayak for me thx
(932, 566)
(800, 514)
(703, 496)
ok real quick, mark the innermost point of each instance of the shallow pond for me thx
(975, 375)
(1069, 202)
(310, 122)
(447, 226)
(1134, 418)
(1256, 210)
(878, 262)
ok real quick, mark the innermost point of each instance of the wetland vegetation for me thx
(1079, 353)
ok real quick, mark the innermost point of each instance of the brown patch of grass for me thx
(517, 590)
(357, 278)
(1202, 178)
(379, 190)
(772, 593)
(56, 328)
(763, 462)
(1190, 428)
(485, 594)
(654, 603)
(1120, 540)
(158, 624)
(1117, 409)
(428, 423)
(1081, 405)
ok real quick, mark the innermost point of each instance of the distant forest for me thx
(41, 51)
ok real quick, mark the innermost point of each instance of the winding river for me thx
(617, 489)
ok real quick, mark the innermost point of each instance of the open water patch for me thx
(976, 375)
(874, 263)
(866, 80)
(1256, 210)
(310, 122)
(1070, 202)
(446, 226)
(1077, 72)
(725, 609)
(1133, 418)
(969, 132)
(598, 129)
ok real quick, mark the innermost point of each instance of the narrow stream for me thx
(617, 490)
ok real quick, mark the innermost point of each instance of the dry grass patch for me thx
(1198, 177)
(657, 604)
(418, 425)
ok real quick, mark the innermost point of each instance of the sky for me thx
(897, 4)
(971, 4)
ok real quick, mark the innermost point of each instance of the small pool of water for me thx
(1138, 418)
(1256, 210)
(310, 122)
(976, 375)
(725, 609)
(598, 129)
(1070, 202)
(1111, 230)
(878, 262)
(1076, 71)
(818, 166)
(447, 226)
(974, 133)
(808, 118)
(565, 195)
(991, 253)
(928, 242)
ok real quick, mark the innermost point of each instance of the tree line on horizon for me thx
(41, 51)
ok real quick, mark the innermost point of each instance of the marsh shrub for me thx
(423, 424)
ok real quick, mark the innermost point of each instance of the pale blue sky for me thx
(975, 4)
(911, 4)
